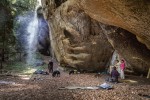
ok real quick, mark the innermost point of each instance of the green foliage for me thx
(9, 9)
(12, 8)
(21, 6)
(42, 67)
(4, 2)
(16, 66)
(23, 68)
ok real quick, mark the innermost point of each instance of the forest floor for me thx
(46, 87)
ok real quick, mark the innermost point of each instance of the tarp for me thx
(102, 86)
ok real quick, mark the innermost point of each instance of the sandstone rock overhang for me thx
(124, 23)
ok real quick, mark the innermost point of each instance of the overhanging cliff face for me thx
(132, 15)
(82, 42)
(134, 52)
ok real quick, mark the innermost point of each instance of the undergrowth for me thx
(23, 68)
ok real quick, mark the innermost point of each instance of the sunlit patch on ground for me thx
(130, 81)
(25, 78)
(29, 70)
(27, 74)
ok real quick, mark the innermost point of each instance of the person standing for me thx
(50, 67)
(122, 67)
(117, 65)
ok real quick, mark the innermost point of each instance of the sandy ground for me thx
(45, 87)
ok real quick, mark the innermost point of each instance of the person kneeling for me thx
(114, 75)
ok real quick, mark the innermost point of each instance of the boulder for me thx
(77, 39)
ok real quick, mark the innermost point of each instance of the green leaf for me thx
(13, 1)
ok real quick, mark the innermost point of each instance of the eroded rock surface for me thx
(134, 52)
(131, 15)
(77, 39)
(82, 42)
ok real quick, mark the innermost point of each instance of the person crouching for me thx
(56, 73)
(114, 75)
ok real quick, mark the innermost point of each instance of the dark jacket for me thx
(114, 74)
